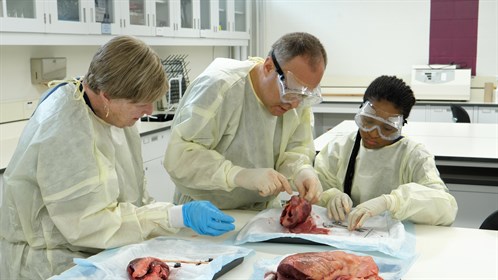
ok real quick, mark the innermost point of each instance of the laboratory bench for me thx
(441, 252)
(333, 110)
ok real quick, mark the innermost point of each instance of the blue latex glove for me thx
(204, 218)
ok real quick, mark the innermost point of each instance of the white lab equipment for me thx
(440, 82)
(44, 70)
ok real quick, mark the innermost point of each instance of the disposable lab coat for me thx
(221, 126)
(74, 186)
(404, 169)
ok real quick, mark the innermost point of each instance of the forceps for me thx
(339, 224)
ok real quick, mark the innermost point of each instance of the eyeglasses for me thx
(388, 125)
(293, 90)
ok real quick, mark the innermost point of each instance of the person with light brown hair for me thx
(75, 184)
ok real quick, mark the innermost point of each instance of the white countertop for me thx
(443, 252)
(10, 133)
(461, 140)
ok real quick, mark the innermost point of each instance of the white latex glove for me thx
(339, 206)
(266, 181)
(367, 209)
(308, 185)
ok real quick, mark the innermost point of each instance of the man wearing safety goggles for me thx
(292, 90)
(377, 169)
(242, 133)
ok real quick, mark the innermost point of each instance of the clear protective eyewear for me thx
(293, 90)
(387, 125)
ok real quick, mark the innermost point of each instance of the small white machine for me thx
(440, 82)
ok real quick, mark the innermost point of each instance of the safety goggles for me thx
(292, 90)
(387, 125)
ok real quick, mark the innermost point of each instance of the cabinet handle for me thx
(84, 15)
(148, 20)
(44, 18)
(49, 18)
(91, 15)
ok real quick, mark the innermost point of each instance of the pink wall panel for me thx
(453, 32)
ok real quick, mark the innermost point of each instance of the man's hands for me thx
(266, 181)
(308, 185)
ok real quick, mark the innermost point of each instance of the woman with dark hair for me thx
(378, 169)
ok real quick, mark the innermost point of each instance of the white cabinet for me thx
(131, 17)
(233, 19)
(487, 115)
(475, 203)
(203, 18)
(159, 183)
(1, 188)
(418, 114)
(50, 16)
(182, 18)
(443, 113)
(193, 19)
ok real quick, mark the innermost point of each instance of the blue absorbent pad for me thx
(380, 233)
(112, 263)
(389, 268)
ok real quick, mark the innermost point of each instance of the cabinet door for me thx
(240, 16)
(487, 115)
(1, 189)
(50, 16)
(159, 184)
(22, 16)
(475, 203)
(178, 18)
(68, 16)
(208, 18)
(233, 19)
(164, 20)
(137, 17)
(443, 113)
(440, 114)
(188, 20)
(418, 114)
(154, 145)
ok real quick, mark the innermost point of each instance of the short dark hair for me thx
(394, 90)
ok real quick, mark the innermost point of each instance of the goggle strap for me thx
(277, 66)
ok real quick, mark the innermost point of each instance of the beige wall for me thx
(18, 96)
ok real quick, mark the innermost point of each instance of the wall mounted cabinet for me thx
(31, 22)
(56, 16)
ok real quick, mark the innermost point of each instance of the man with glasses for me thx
(377, 169)
(242, 133)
